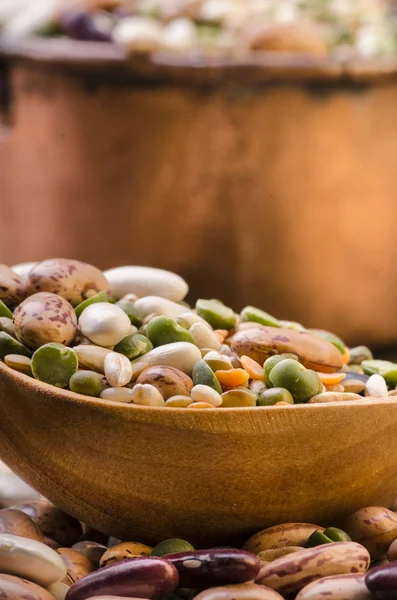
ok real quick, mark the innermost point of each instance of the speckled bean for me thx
(314, 352)
(375, 528)
(289, 574)
(350, 586)
(123, 551)
(12, 287)
(77, 563)
(16, 522)
(167, 380)
(268, 556)
(279, 536)
(239, 592)
(52, 521)
(30, 559)
(44, 318)
(71, 279)
(17, 588)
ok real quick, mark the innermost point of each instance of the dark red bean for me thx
(141, 577)
(211, 568)
(81, 25)
(382, 581)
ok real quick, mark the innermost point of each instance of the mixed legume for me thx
(72, 326)
(232, 27)
(47, 554)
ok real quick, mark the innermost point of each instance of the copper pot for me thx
(272, 182)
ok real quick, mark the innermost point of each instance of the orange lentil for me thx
(331, 378)
(346, 356)
(201, 405)
(253, 368)
(232, 377)
(282, 403)
(221, 334)
(227, 388)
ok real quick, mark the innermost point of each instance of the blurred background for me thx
(249, 145)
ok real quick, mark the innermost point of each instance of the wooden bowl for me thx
(270, 181)
(210, 476)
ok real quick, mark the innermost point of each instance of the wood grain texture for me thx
(211, 477)
(260, 186)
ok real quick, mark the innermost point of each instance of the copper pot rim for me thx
(259, 67)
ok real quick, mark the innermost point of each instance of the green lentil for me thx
(328, 536)
(330, 337)
(318, 538)
(250, 313)
(203, 374)
(171, 546)
(9, 345)
(100, 297)
(4, 310)
(390, 375)
(291, 375)
(133, 346)
(216, 314)
(358, 354)
(337, 535)
(273, 395)
(129, 310)
(55, 364)
(376, 367)
(88, 383)
(272, 361)
(165, 330)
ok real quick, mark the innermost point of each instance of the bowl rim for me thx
(49, 389)
(257, 67)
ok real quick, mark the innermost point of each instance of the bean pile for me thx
(127, 335)
(46, 554)
(343, 28)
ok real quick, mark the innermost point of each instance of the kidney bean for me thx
(140, 577)
(382, 581)
(210, 568)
